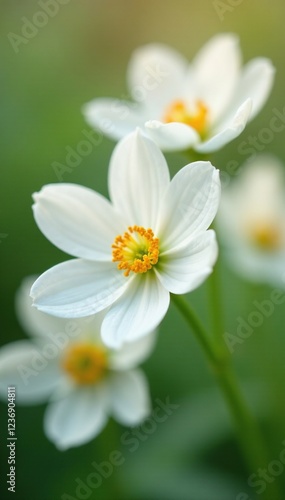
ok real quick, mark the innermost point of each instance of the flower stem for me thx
(250, 439)
(216, 306)
(197, 327)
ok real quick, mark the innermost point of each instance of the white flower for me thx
(66, 364)
(251, 221)
(202, 106)
(150, 241)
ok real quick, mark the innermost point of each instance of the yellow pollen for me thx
(85, 363)
(136, 250)
(178, 112)
(266, 236)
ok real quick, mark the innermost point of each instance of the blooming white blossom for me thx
(251, 221)
(66, 364)
(151, 240)
(202, 106)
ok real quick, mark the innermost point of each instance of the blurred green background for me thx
(81, 53)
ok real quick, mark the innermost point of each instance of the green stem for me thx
(197, 327)
(250, 439)
(216, 306)
(193, 155)
(114, 486)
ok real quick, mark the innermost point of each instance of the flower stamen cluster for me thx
(85, 363)
(266, 236)
(178, 111)
(137, 250)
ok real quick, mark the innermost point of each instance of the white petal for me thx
(256, 83)
(34, 322)
(129, 397)
(186, 268)
(115, 118)
(228, 130)
(26, 366)
(54, 330)
(138, 177)
(257, 266)
(132, 354)
(77, 418)
(155, 76)
(138, 311)
(78, 288)
(258, 195)
(215, 71)
(172, 136)
(77, 220)
(190, 204)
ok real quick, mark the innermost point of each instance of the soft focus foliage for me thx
(83, 51)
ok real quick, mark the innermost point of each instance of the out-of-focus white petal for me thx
(228, 130)
(129, 397)
(114, 117)
(256, 82)
(138, 177)
(172, 136)
(184, 269)
(32, 369)
(138, 311)
(78, 288)
(214, 85)
(132, 353)
(257, 194)
(258, 266)
(77, 418)
(51, 328)
(155, 76)
(77, 220)
(255, 202)
(34, 322)
(215, 71)
(190, 204)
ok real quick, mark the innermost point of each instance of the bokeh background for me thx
(81, 53)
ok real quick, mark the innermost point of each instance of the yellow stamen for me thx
(266, 236)
(137, 250)
(85, 363)
(178, 112)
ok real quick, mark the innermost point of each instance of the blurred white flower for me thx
(251, 221)
(150, 241)
(202, 106)
(66, 364)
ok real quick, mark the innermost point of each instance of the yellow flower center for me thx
(136, 250)
(178, 111)
(85, 363)
(266, 236)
